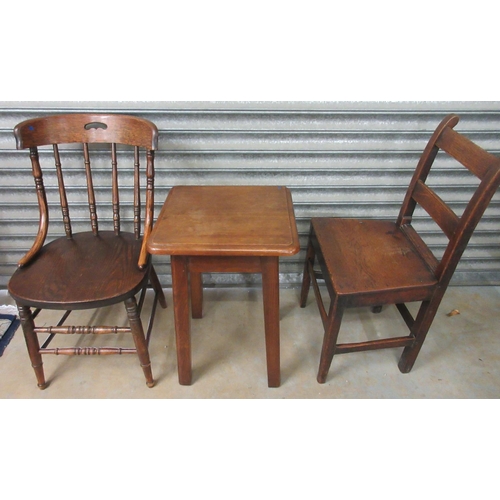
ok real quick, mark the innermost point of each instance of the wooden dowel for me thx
(62, 193)
(116, 200)
(90, 190)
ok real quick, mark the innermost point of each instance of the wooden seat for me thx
(375, 262)
(96, 268)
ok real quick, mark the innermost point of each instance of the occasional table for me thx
(225, 229)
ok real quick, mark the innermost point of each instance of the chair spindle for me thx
(62, 193)
(116, 201)
(90, 190)
(137, 194)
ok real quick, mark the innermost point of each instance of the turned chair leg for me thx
(33, 345)
(139, 339)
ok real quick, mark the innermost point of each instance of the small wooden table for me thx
(241, 229)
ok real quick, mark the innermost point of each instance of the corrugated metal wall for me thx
(345, 159)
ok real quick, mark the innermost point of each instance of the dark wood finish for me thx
(87, 128)
(139, 339)
(373, 263)
(33, 344)
(106, 255)
(242, 229)
(91, 269)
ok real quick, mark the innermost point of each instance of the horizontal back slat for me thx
(466, 152)
(69, 128)
(436, 208)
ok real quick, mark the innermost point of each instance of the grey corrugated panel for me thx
(339, 158)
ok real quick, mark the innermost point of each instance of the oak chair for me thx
(376, 262)
(96, 268)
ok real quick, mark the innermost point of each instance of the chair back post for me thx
(43, 225)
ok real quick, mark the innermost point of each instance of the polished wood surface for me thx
(365, 257)
(103, 255)
(93, 269)
(86, 128)
(226, 220)
(242, 229)
(373, 263)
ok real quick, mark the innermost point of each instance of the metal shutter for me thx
(349, 159)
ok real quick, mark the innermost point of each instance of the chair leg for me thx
(306, 280)
(139, 339)
(155, 283)
(33, 345)
(330, 338)
(421, 327)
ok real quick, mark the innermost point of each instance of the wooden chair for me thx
(92, 269)
(376, 262)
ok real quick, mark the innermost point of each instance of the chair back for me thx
(87, 129)
(458, 229)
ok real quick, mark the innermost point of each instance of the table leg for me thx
(196, 295)
(180, 295)
(270, 289)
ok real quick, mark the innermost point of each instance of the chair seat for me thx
(370, 260)
(86, 271)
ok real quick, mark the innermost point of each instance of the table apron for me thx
(230, 264)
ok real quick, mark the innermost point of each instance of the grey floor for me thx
(460, 358)
(230, 434)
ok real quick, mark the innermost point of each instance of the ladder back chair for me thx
(95, 268)
(376, 262)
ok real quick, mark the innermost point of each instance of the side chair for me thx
(372, 263)
(96, 268)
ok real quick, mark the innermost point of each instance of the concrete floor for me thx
(460, 358)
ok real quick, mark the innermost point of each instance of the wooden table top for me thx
(226, 220)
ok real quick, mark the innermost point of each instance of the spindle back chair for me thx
(95, 268)
(376, 262)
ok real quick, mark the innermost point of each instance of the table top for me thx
(226, 220)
